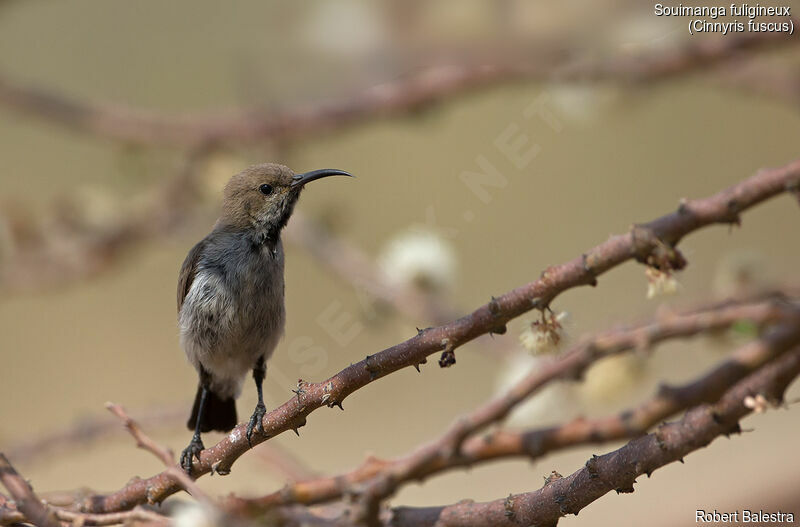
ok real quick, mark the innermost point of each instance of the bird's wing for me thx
(188, 272)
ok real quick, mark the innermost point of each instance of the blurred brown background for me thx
(623, 154)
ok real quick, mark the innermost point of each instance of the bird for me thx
(231, 310)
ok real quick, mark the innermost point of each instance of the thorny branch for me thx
(163, 454)
(668, 401)
(616, 470)
(725, 404)
(652, 243)
(377, 479)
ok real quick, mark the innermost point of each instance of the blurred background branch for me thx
(408, 94)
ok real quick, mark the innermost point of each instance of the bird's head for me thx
(262, 197)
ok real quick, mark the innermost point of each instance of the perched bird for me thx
(231, 309)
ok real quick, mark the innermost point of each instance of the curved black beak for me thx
(301, 179)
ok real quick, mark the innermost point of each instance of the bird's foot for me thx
(193, 450)
(256, 422)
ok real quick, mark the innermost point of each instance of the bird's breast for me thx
(235, 304)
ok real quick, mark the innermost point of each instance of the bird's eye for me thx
(265, 189)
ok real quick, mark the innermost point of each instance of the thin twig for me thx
(112, 518)
(668, 401)
(28, 503)
(86, 431)
(93, 429)
(142, 440)
(162, 453)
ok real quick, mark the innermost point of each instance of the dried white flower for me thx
(419, 258)
(544, 336)
(660, 283)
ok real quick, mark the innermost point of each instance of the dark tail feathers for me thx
(219, 414)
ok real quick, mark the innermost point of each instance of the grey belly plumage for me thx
(233, 314)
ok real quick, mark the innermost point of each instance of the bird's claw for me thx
(256, 422)
(193, 450)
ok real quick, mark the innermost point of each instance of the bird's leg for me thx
(196, 444)
(257, 419)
